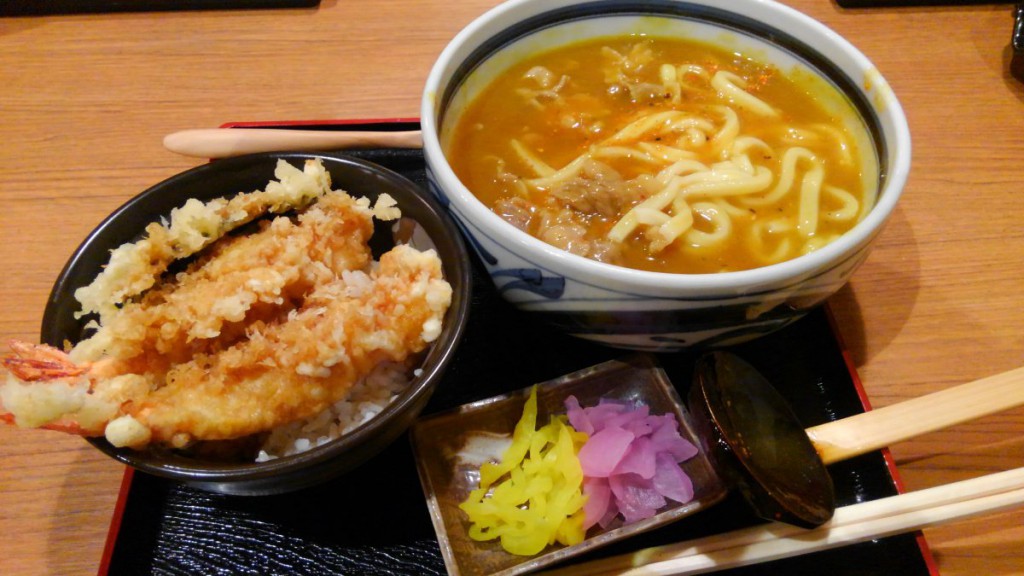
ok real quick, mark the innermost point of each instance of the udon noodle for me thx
(664, 155)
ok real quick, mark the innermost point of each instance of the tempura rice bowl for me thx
(380, 407)
(644, 310)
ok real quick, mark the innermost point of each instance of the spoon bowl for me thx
(756, 442)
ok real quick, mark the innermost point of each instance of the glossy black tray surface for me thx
(375, 520)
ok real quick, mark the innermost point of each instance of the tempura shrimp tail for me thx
(31, 362)
(40, 387)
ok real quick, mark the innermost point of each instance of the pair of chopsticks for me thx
(850, 525)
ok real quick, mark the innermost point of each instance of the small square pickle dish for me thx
(450, 447)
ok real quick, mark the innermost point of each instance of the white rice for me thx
(367, 398)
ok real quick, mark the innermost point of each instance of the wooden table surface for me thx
(86, 99)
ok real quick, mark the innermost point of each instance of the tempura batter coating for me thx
(240, 279)
(135, 267)
(294, 369)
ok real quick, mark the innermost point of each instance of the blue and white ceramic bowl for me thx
(635, 309)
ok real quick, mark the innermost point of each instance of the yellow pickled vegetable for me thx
(537, 497)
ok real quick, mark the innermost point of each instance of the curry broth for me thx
(582, 106)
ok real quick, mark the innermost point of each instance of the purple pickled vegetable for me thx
(604, 450)
(630, 462)
(598, 498)
(636, 497)
(639, 459)
(670, 480)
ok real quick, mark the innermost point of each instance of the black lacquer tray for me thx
(375, 520)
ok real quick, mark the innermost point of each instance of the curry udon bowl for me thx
(639, 308)
(424, 224)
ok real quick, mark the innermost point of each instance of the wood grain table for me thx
(86, 99)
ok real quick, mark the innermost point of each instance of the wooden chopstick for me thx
(227, 142)
(851, 524)
(886, 426)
